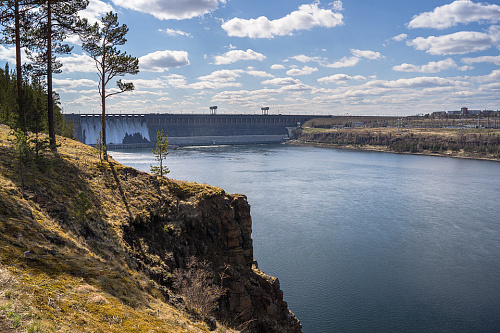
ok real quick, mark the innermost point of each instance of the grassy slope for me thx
(62, 277)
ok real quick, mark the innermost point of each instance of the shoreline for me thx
(382, 149)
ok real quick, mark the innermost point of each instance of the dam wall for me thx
(127, 130)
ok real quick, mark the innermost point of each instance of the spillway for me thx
(195, 129)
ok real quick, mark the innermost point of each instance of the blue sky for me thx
(356, 57)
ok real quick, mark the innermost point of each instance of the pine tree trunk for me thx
(103, 120)
(52, 134)
(17, 28)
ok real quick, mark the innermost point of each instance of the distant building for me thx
(464, 111)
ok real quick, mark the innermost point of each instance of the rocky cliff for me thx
(97, 246)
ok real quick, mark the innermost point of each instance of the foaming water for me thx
(116, 129)
(364, 242)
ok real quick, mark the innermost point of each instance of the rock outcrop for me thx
(215, 228)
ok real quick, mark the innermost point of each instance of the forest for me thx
(38, 30)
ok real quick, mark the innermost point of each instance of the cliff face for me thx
(215, 228)
(90, 246)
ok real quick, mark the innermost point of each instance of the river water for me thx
(364, 241)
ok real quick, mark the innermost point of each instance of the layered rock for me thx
(215, 228)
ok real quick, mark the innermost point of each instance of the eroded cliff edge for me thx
(91, 246)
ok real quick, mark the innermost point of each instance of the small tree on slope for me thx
(161, 154)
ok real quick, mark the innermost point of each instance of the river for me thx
(364, 241)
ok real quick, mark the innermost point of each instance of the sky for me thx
(351, 57)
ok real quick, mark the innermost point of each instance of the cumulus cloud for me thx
(282, 81)
(459, 11)
(175, 80)
(95, 10)
(305, 18)
(224, 75)
(431, 67)
(354, 60)
(251, 71)
(141, 84)
(277, 66)
(399, 37)
(174, 33)
(306, 70)
(78, 63)
(344, 62)
(366, 54)
(341, 78)
(488, 59)
(171, 9)
(237, 55)
(161, 61)
(303, 58)
(70, 83)
(8, 54)
(417, 82)
(457, 43)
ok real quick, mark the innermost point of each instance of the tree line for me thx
(40, 28)
(472, 143)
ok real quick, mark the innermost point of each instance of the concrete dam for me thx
(139, 130)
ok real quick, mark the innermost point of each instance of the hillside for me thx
(99, 247)
(480, 143)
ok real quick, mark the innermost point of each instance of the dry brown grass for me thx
(56, 278)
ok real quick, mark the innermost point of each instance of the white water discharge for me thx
(116, 129)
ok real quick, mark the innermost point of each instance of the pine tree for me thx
(15, 23)
(53, 22)
(101, 41)
(161, 154)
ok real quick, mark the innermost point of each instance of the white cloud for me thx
(431, 67)
(303, 58)
(78, 63)
(337, 6)
(306, 70)
(460, 11)
(305, 18)
(95, 10)
(237, 55)
(282, 81)
(488, 59)
(417, 82)
(277, 66)
(366, 54)
(175, 80)
(399, 37)
(8, 54)
(251, 71)
(494, 76)
(213, 85)
(224, 75)
(457, 43)
(161, 61)
(173, 33)
(344, 62)
(141, 84)
(70, 83)
(340, 78)
(171, 9)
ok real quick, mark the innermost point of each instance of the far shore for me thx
(385, 149)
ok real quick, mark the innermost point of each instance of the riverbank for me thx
(481, 144)
(93, 246)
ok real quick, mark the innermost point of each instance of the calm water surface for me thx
(361, 241)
